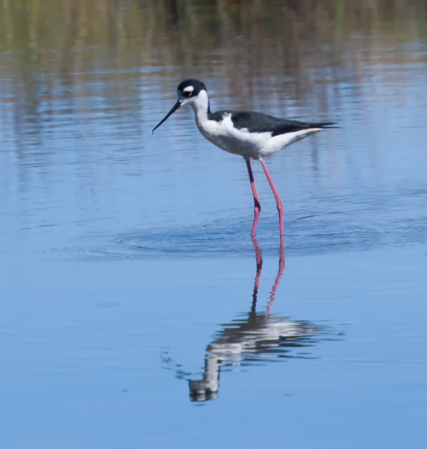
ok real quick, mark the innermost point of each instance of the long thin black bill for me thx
(177, 106)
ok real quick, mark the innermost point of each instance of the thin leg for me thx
(257, 205)
(278, 200)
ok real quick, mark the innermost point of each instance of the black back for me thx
(256, 122)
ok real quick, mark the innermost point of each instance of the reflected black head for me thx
(200, 392)
(191, 88)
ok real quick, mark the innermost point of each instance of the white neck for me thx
(200, 106)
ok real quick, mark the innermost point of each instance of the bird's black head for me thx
(190, 88)
(189, 93)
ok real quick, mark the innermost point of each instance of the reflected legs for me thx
(258, 272)
(277, 281)
(258, 275)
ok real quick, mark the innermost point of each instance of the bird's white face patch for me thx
(186, 95)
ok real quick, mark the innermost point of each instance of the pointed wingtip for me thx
(330, 125)
(325, 125)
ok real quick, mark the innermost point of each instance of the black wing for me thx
(256, 122)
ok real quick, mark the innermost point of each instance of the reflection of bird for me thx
(256, 337)
(249, 134)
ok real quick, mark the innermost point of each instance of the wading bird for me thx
(249, 134)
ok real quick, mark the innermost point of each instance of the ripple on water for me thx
(351, 226)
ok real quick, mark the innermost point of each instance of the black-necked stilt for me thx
(250, 134)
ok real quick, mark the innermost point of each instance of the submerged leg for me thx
(257, 205)
(278, 200)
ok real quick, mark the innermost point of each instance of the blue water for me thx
(130, 315)
(86, 348)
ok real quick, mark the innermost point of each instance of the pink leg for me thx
(257, 204)
(278, 200)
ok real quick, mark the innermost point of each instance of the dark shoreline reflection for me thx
(254, 338)
(61, 61)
